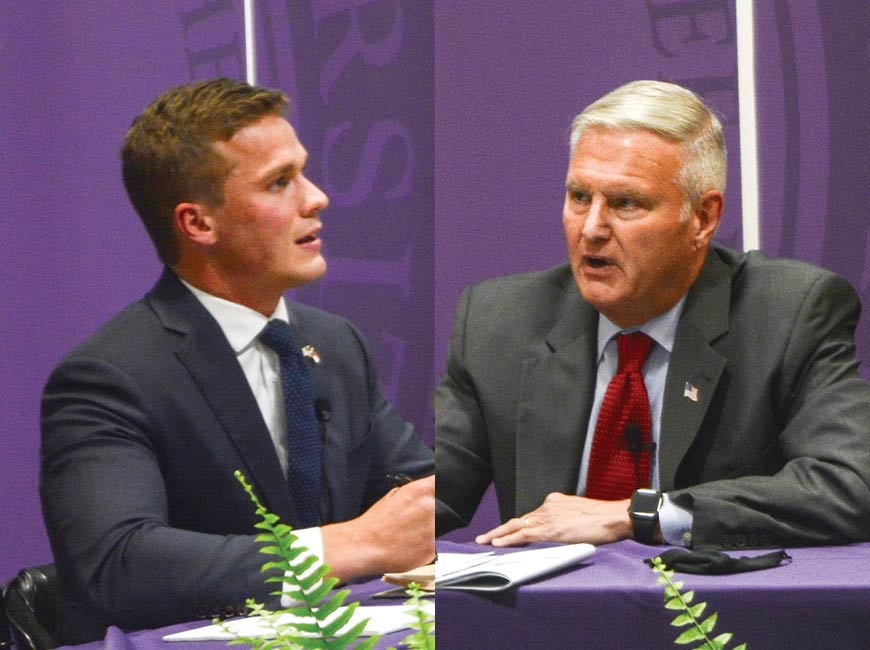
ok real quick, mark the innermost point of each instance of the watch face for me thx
(645, 503)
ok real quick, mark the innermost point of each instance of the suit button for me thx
(740, 540)
(727, 541)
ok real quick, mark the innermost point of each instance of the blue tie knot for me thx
(278, 335)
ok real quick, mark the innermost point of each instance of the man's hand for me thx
(396, 534)
(563, 518)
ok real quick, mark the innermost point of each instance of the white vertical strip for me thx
(250, 39)
(748, 123)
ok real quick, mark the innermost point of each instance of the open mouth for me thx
(307, 239)
(596, 262)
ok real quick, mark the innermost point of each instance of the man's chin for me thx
(600, 295)
(311, 273)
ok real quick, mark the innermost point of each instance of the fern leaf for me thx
(690, 636)
(697, 610)
(344, 640)
(332, 627)
(675, 603)
(310, 643)
(709, 623)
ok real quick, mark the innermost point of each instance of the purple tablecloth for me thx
(117, 639)
(820, 600)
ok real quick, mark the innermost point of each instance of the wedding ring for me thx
(527, 522)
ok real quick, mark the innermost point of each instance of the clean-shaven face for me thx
(268, 227)
(632, 254)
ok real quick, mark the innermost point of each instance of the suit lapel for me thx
(205, 352)
(695, 367)
(556, 390)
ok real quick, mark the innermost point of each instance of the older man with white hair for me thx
(658, 386)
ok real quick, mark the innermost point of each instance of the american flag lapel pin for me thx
(690, 391)
(310, 353)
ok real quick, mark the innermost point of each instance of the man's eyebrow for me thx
(617, 189)
(621, 191)
(281, 170)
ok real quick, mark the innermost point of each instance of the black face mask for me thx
(718, 563)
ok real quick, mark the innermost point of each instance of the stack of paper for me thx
(489, 572)
(382, 620)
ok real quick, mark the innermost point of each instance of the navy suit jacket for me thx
(773, 451)
(143, 427)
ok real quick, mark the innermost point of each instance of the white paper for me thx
(383, 619)
(450, 563)
(498, 572)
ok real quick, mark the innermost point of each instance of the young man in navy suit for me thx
(145, 422)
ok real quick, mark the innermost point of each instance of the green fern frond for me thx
(305, 582)
(690, 614)
(423, 624)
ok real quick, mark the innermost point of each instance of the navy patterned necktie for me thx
(303, 433)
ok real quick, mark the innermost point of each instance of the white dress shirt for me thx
(241, 326)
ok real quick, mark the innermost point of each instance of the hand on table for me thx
(566, 519)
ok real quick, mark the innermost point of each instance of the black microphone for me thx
(322, 409)
(323, 413)
(633, 438)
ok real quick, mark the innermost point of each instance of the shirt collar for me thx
(241, 325)
(662, 329)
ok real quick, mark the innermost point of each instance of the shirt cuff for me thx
(675, 523)
(312, 540)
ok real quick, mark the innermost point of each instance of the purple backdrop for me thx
(506, 85)
(361, 79)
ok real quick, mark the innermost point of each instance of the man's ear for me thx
(195, 223)
(708, 211)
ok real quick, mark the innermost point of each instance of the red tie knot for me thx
(633, 348)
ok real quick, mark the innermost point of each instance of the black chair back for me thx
(31, 604)
(5, 634)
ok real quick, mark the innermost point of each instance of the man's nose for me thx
(595, 224)
(315, 198)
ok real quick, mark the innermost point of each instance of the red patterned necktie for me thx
(620, 458)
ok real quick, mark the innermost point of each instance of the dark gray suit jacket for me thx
(143, 427)
(775, 451)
